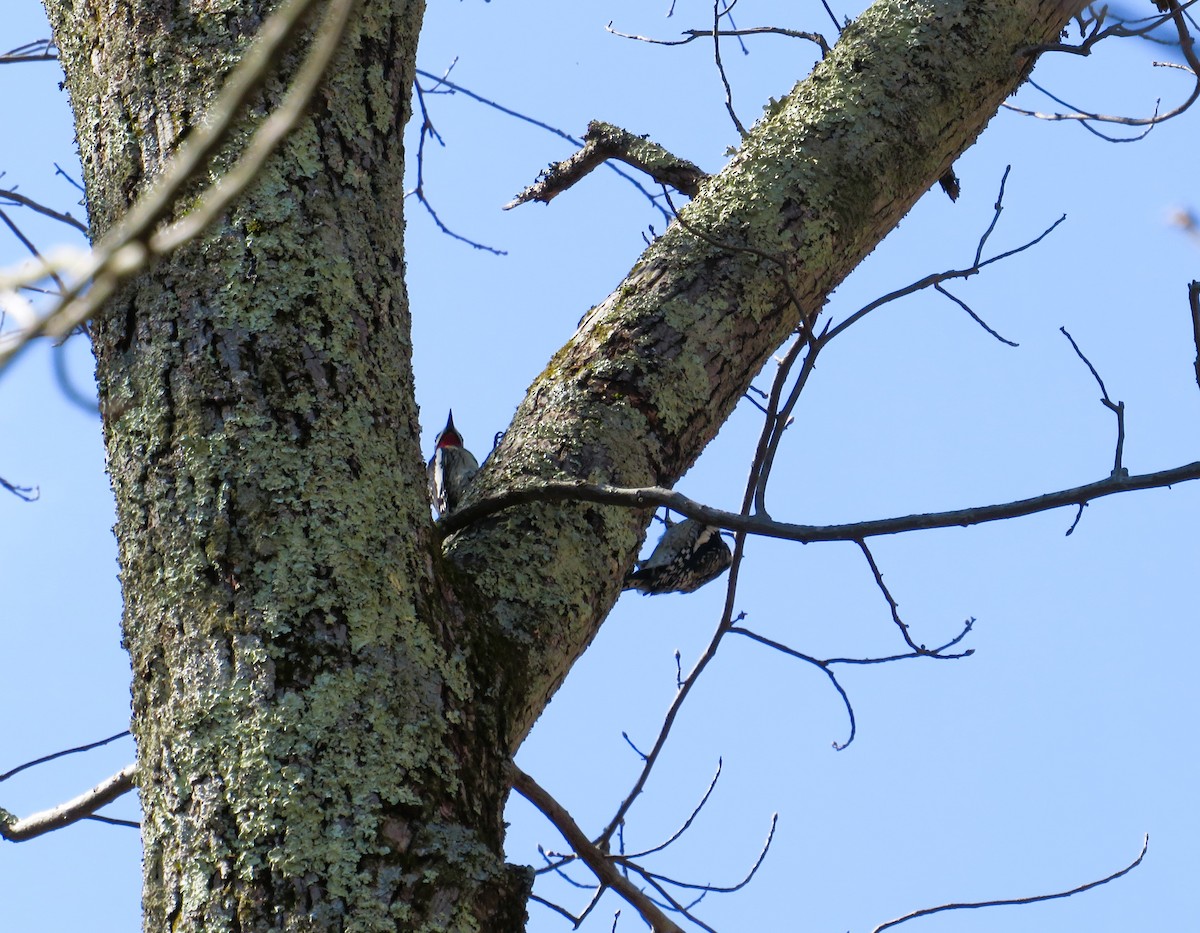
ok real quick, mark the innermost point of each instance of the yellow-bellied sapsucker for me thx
(688, 555)
(449, 469)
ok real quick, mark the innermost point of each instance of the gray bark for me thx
(324, 697)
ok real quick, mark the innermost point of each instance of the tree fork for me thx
(324, 704)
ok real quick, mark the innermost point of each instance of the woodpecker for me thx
(449, 469)
(687, 556)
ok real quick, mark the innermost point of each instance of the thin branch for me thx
(824, 668)
(997, 210)
(887, 595)
(428, 131)
(938, 287)
(1117, 408)
(673, 904)
(716, 37)
(68, 751)
(719, 889)
(836, 24)
(459, 89)
(25, 493)
(647, 496)
(40, 50)
(113, 821)
(42, 209)
(33, 250)
(686, 823)
(1019, 900)
(691, 35)
(72, 811)
(937, 278)
(1194, 305)
(599, 862)
(575, 921)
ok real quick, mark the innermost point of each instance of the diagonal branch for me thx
(82, 807)
(599, 862)
(42, 209)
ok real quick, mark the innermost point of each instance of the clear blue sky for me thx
(1033, 766)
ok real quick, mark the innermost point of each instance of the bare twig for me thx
(598, 861)
(935, 279)
(575, 921)
(82, 807)
(942, 290)
(1019, 900)
(41, 50)
(826, 665)
(33, 250)
(1117, 408)
(887, 595)
(716, 37)
(42, 209)
(836, 24)
(428, 131)
(1194, 305)
(719, 889)
(691, 35)
(824, 668)
(27, 493)
(453, 88)
(686, 823)
(67, 751)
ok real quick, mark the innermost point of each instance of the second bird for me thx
(688, 555)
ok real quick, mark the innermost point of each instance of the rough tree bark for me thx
(324, 695)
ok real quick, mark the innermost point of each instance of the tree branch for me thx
(599, 862)
(42, 209)
(1194, 306)
(72, 811)
(647, 496)
(1019, 900)
(602, 142)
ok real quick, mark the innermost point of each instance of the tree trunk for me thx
(324, 698)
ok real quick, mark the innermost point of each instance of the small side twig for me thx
(25, 493)
(887, 595)
(691, 35)
(1019, 900)
(716, 37)
(443, 85)
(1117, 408)
(41, 50)
(1194, 305)
(66, 751)
(67, 219)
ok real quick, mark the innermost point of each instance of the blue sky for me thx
(1035, 765)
